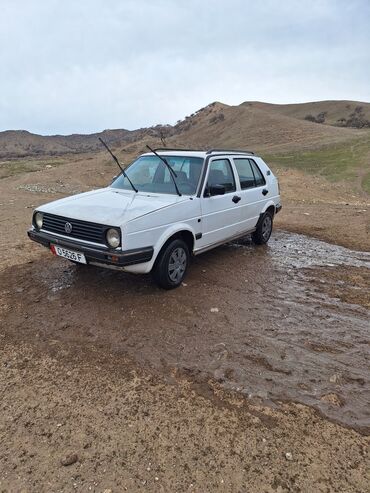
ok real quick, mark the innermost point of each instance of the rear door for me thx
(220, 213)
(253, 191)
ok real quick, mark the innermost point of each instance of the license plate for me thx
(69, 254)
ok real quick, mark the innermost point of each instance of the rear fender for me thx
(267, 205)
(270, 203)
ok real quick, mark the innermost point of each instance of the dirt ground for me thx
(253, 376)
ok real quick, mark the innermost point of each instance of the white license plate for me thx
(69, 254)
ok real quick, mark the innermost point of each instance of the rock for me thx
(334, 378)
(69, 459)
(333, 399)
(214, 310)
(219, 375)
(289, 456)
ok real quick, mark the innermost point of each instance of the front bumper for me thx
(278, 208)
(93, 254)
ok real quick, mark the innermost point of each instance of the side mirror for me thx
(217, 190)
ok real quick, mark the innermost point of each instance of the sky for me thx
(81, 66)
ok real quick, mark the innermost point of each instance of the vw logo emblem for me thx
(68, 227)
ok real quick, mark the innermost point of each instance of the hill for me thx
(20, 143)
(354, 114)
(256, 127)
(252, 124)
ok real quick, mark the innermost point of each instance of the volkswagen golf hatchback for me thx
(166, 206)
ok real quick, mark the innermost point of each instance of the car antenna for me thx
(120, 167)
(172, 171)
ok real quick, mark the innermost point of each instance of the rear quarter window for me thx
(260, 179)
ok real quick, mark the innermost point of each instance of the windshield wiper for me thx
(172, 171)
(120, 167)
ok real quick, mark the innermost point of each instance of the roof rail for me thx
(176, 149)
(237, 151)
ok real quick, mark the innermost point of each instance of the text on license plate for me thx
(69, 254)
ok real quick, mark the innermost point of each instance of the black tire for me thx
(264, 229)
(175, 252)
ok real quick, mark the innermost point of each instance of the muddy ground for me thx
(253, 376)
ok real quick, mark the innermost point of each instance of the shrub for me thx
(320, 118)
(217, 118)
(355, 120)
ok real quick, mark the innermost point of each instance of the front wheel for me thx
(264, 229)
(171, 265)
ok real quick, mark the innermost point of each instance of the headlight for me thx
(113, 238)
(38, 219)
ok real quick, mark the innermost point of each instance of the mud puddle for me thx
(267, 322)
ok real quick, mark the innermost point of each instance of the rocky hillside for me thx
(20, 143)
(255, 127)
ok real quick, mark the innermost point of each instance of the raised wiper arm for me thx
(172, 171)
(120, 167)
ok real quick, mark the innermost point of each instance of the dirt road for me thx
(267, 322)
(252, 376)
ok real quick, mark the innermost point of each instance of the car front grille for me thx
(82, 230)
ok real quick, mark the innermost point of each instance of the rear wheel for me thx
(264, 229)
(171, 265)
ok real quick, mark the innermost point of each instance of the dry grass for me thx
(335, 110)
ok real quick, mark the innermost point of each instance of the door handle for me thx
(236, 199)
(265, 191)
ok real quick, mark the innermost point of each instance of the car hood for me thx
(109, 206)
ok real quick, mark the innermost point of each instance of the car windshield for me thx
(150, 174)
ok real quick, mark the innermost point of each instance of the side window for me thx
(260, 180)
(249, 174)
(221, 173)
(245, 173)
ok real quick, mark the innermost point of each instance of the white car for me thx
(167, 205)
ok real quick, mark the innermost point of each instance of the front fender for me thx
(166, 235)
(171, 231)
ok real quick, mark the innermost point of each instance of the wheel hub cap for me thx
(177, 264)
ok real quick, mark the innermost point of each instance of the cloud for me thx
(69, 66)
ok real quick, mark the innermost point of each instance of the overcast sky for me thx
(86, 65)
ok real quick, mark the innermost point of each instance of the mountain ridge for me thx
(260, 124)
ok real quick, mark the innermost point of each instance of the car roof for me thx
(200, 154)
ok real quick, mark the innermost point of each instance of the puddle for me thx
(264, 321)
(299, 251)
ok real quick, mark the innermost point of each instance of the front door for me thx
(220, 213)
